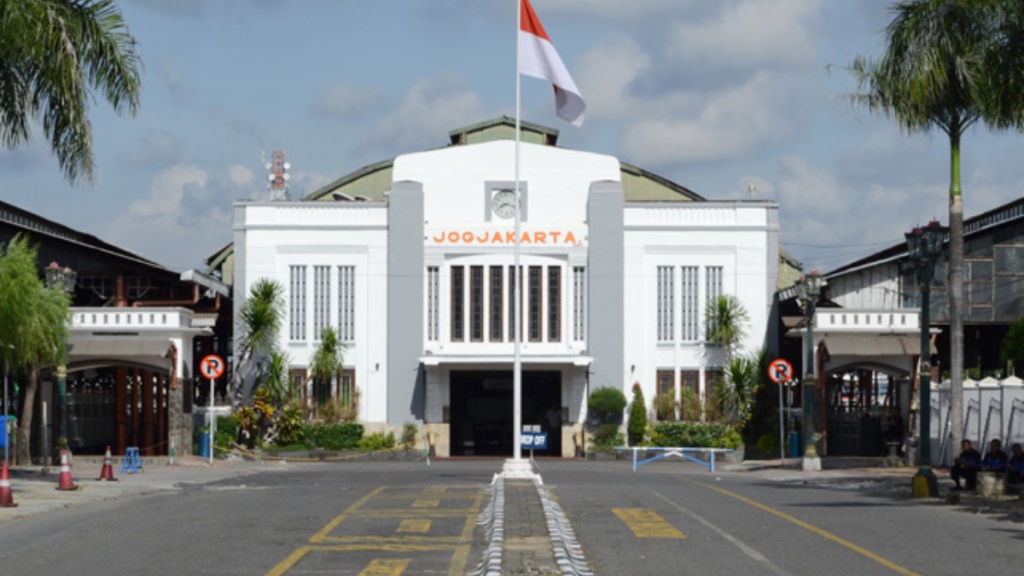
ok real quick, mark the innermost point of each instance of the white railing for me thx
(842, 319)
(130, 318)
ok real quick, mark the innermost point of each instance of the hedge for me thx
(695, 435)
(343, 436)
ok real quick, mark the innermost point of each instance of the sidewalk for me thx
(36, 493)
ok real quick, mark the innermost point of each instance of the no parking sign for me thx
(780, 371)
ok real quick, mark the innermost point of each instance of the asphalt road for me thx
(404, 518)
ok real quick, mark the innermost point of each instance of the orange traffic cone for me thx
(6, 497)
(107, 472)
(66, 483)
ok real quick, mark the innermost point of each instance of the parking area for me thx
(394, 530)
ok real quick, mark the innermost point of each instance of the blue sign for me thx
(535, 440)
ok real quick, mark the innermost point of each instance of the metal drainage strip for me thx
(568, 553)
(492, 519)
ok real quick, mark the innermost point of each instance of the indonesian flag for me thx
(538, 58)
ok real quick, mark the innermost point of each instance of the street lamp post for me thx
(62, 279)
(924, 245)
(808, 292)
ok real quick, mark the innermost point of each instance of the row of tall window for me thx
(324, 294)
(481, 303)
(689, 296)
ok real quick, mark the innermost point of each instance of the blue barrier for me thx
(3, 431)
(131, 460)
(681, 452)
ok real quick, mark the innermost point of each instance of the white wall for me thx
(733, 235)
(279, 235)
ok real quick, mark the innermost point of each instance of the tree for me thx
(741, 379)
(1013, 347)
(257, 328)
(328, 359)
(55, 57)
(946, 65)
(637, 416)
(34, 323)
(273, 377)
(726, 321)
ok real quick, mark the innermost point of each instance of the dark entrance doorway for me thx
(481, 411)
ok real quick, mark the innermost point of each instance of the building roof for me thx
(371, 182)
(33, 223)
(1005, 214)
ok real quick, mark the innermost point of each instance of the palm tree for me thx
(55, 57)
(258, 325)
(328, 359)
(726, 320)
(273, 377)
(34, 323)
(948, 64)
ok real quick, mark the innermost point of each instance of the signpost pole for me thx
(782, 425)
(213, 421)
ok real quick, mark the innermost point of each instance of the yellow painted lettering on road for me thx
(415, 526)
(385, 568)
(820, 532)
(645, 523)
(426, 503)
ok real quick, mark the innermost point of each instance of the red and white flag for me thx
(538, 58)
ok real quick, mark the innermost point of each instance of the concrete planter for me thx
(735, 456)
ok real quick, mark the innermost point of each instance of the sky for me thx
(717, 96)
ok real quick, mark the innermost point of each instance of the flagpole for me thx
(517, 366)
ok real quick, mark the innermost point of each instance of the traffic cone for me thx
(6, 497)
(66, 483)
(107, 472)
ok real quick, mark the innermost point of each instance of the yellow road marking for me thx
(290, 561)
(319, 536)
(426, 503)
(385, 568)
(645, 523)
(461, 555)
(820, 532)
(459, 545)
(415, 526)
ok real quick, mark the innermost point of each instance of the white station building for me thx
(411, 260)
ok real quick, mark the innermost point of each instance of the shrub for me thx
(345, 436)
(606, 437)
(289, 424)
(409, 432)
(637, 416)
(767, 444)
(665, 406)
(689, 407)
(695, 435)
(227, 432)
(607, 403)
(378, 441)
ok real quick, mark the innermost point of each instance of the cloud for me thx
(186, 216)
(240, 175)
(173, 78)
(168, 190)
(344, 99)
(728, 125)
(200, 8)
(751, 34)
(430, 108)
(158, 148)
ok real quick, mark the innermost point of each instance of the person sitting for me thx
(995, 459)
(966, 466)
(1016, 465)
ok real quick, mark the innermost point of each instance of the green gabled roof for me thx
(639, 185)
(503, 128)
(369, 183)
